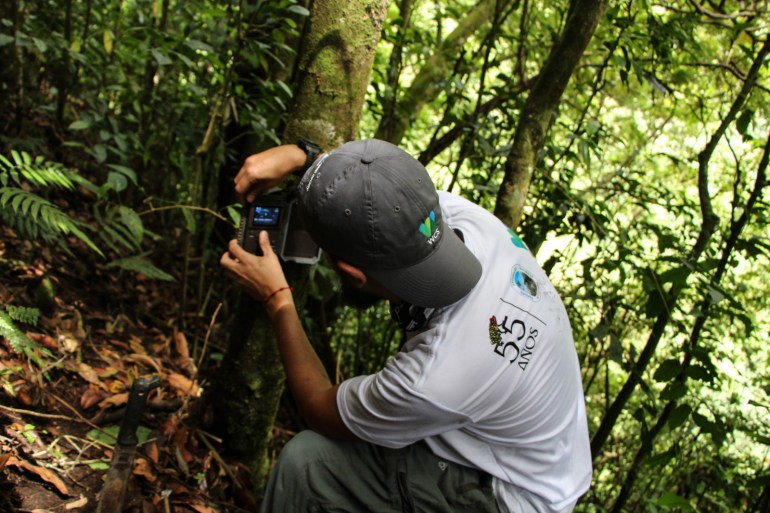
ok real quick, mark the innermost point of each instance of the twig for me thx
(188, 207)
(36, 414)
(215, 454)
(206, 340)
(77, 413)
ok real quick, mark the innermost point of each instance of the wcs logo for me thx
(428, 228)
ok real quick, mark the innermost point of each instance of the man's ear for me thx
(356, 275)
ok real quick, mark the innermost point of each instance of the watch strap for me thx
(312, 150)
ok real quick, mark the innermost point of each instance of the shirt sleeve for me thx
(388, 409)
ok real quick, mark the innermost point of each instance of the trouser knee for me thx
(303, 447)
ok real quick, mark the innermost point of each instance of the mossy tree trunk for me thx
(332, 73)
(333, 70)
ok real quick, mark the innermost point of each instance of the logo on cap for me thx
(428, 228)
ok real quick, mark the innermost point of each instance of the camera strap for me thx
(410, 317)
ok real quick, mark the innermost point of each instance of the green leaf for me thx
(161, 58)
(716, 295)
(109, 435)
(40, 45)
(189, 219)
(127, 171)
(5, 39)
(20, 343)
(667, 370)
(107, 40)
(700, 373)
(23, 314)
(714, 428)
(139, 264)
(298, 9)
(670, 500)
(673, 391)
(99, 152)
(742, 123)
(117, 181)
(616, 349)
(661, 459)
(133, 222)
(235, 213)
(679, 415)
(199, 45)
(80, 124)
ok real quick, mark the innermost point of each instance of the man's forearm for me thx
(308, 381)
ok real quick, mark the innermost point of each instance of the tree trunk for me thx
(540, 108)
(333, 71)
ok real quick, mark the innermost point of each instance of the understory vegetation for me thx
(123, 123)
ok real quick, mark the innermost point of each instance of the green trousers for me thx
(319, 474)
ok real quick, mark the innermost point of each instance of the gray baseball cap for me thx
(374, 206)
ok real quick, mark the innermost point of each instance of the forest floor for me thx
(60, 411)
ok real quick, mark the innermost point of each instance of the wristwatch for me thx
(312, 150)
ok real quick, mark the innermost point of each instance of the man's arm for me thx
(263, 278)
(267, 169)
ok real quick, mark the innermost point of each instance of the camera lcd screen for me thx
(266, 216)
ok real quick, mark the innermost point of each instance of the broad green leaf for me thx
(235, 213)
(742, 123)
(673, 391)
(298, 9)
(117, 181)
(716, 295)
(80, 124)
(161, 58)
(133, 222)
(668, 370)
(679, 415)
(126, 171)
(670, 500)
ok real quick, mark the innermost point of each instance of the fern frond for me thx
(25, 314)
(39, 172)
(120, 226)
(20, 342)
(140, 264)
(34, 215)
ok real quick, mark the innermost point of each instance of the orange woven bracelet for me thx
(268, 298)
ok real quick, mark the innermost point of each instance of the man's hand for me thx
(266, 170)
(261, 276)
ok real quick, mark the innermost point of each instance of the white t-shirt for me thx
(492, 382)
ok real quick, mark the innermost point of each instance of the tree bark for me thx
(333, 71)
(334, 67)
(541, 106)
